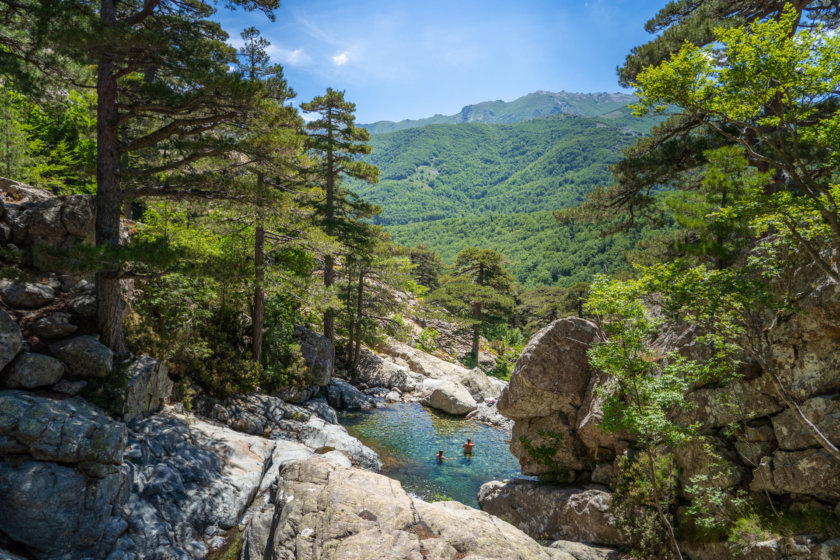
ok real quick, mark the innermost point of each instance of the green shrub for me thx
(427, 341)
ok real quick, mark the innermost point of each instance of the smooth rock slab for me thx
(11, 340)
(553, 512)
(324, 511)
(32, 370)
(84, 356)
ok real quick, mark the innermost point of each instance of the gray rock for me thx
(147, 389)
(561, 451)
(580, 551)
(812, 472)
(11, 340)
(64, 431)
(57, 512)
(319, 354)
(84, 356)
(552, 373)
(69, 387)
(32, 370)
(823, 411)
(393, 396)
(296, 395)
(343, 396)
(54, 325)
(326, 511)
(451, 397)
(552, 512)
(323, 410)
(84, 305)
(253, 413)
(26, 295)
(488, 414)
(375, 371)
(324, 437)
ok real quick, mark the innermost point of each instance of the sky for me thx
(408, 59)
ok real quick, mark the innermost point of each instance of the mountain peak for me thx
(534, 105)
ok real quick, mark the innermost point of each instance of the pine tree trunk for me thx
(108, 195)
(258, 317)
(329, 260)
(360, 291)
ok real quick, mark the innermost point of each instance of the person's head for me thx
(469, 440)
(440, 452)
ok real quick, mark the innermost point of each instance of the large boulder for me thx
(69, 431)
(11, 340)
(343, 396)
(57, 512)
(32, 370)
(84, 356)
(324, 511)
(553, 513)
(26, 295)
(318, 353)
(812, 472)
(375, 371)
(488, 414)
(548, 445)
(147, 388)
(553, 373)
(451, 397)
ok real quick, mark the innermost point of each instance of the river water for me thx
(408, 436)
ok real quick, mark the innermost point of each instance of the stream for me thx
(407, 437)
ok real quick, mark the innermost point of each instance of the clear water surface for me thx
(407, 437)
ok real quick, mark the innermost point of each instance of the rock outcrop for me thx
(322, 511)
(553, 513)
(451, 397)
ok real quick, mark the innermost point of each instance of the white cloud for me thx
(341, 59)
(289, 57)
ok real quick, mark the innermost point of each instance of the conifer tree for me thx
(336, 139)
(479, 291)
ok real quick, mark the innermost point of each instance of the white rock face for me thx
(451, 397)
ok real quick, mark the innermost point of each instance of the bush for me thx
(427, 341)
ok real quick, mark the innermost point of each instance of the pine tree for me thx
(479, 291)
(336, 139)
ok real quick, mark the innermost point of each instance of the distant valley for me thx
(491, 175)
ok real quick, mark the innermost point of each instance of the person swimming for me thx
(468, 447)
(441, 458)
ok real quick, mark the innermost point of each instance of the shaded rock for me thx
(553, 512)
(296, 395)
(84, 356)
(64, 431)
(754, 442)
(480, 385)
(319, 354)
(325, 511)
(26, 295)
(69, 387)
(15, 191)
(488, 414)
(580, 551)
(375, 371)
(147, 388)
(548, 446)
(84, 305)
(823, 411)
(343, 396)
(191, 481)
(32, 370)
(552, 373)
(601, 444)
(742, 399)
(254, 413)
(323, 410)
(57, 512)
(703, 456)
(812, 472)
(54, 325)
(11, 340)
(451, 397)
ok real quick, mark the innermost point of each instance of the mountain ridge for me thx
(533, 105)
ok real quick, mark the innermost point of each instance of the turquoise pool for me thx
(408, 436)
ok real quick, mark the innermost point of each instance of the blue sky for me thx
(399, 59)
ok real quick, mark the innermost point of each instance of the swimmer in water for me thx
(468, 447)
(440, 458)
